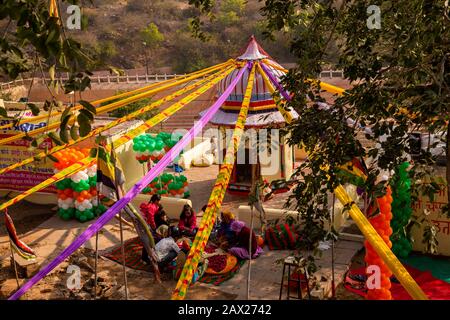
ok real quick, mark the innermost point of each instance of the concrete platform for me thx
(265, 278)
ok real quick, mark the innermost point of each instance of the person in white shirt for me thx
(166, 249)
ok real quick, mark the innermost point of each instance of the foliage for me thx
(35, 41)
(236, 6)
(151, 35)
(401, 84)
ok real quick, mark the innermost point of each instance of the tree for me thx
(401, 84)
(35, 41)
(151, 39)
(237, 6)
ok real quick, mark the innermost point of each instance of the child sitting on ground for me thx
(188, 221)
(161, 219)
(167, 249)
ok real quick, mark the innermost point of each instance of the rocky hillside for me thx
(115, 30)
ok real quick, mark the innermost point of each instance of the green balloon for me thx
(151, 145)
(89, 214)
(159, 145)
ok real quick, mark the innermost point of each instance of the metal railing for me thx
(143, 78)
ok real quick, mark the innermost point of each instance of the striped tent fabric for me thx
(260, 90)
(254, 119)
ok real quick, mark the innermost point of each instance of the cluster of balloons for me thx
(401, 211)
(381, 223)
(169, 185)
(77, 194)
(69, 156)
(151, 147)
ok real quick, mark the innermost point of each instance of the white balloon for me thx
(76, 180)
(86, 202)
(94, 202)
(81, 208)
(69, 200)
(156, 153)
(64, 206)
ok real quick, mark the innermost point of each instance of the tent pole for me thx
(250, 255)
(95, 265)
(120, 192)
(13, 260)
(123, 257)
(96, 238)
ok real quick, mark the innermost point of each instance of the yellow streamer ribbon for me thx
(176, 80)
(380, 246)
(80, 165)
(109, 125)
(109, 107)
(122, 140)
(285, 113)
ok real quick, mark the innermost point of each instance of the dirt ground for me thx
(141, 284)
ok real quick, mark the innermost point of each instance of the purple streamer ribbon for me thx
(137, 188)
(275, 82)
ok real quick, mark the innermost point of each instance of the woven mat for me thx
(133, 254)
(218, 279)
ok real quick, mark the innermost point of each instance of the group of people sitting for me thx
(234, 236)
(229, 233)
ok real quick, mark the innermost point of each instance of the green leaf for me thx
(86, 105)
(52, 158)
(93, 153)
(51, 72)
(74, 132)
(55, 138)
(86, 114)
(3, 112)
(85, 125)
(47, 105)
(64, 122)
(64, 135)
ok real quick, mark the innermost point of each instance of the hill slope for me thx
(112, 30)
